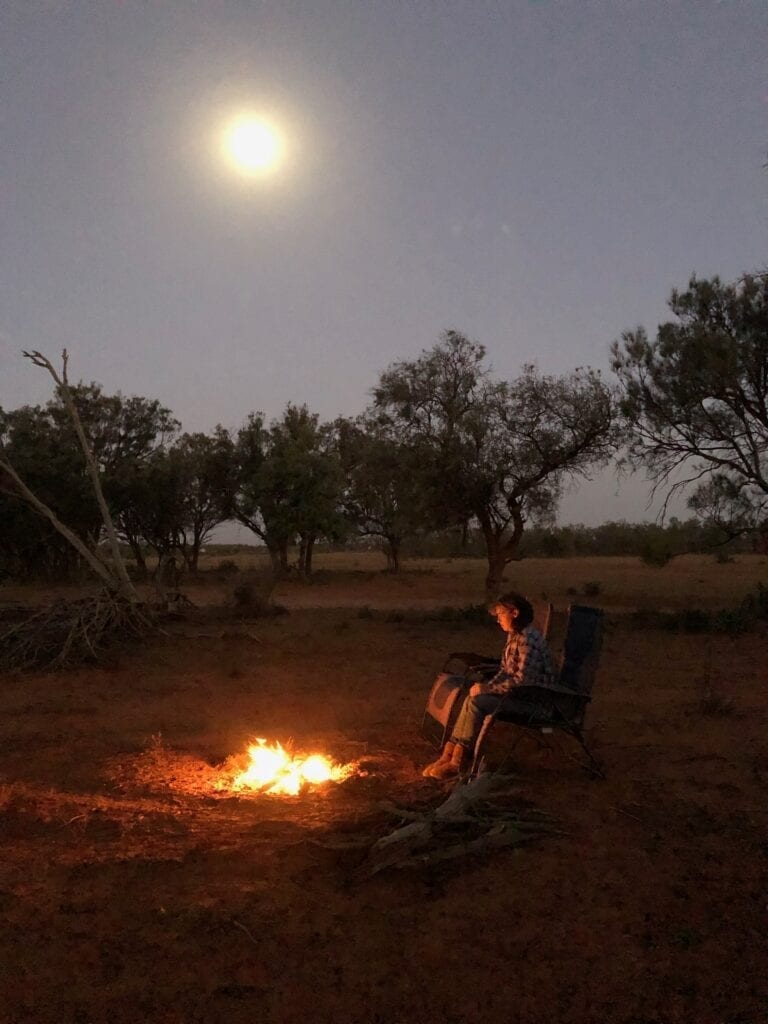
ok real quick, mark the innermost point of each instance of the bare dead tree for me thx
(123, 584)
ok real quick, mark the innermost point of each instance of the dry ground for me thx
(131, 892)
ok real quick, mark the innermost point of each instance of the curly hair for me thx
(523, 606)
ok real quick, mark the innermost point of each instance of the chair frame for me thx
(559, 697)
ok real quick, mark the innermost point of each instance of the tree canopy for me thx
(695, 399)
(498, 451)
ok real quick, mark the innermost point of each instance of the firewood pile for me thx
(72, 632)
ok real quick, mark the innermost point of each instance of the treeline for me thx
(445, 450)
(654, 543)
(443, 444)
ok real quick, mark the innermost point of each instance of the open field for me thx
(131, 891)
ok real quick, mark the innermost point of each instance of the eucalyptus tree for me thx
(203, 466)
(498, 451)
(247, 497)
(383, 496)
(288, 483)
(303, 480)
(695, 400)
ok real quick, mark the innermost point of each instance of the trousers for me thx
(475, 709)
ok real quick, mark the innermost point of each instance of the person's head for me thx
(513, 612)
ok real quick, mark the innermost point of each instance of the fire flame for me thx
(273, 770)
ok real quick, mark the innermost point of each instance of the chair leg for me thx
(477, 754)
(511, 751)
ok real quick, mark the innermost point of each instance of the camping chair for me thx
(566, 701)
(452, 684)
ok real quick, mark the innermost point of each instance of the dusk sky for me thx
(537, 175)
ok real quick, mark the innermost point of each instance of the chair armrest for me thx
(471, 660)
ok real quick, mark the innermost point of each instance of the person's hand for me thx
(476, 689)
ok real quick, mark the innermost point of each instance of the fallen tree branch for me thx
(98, 567)
(469, 813)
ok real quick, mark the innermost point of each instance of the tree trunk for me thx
(392, 552)
(308, 555)
(302, 566)
(464, 535)
(494, 580)
(198, 537)
(138, 556)
(283, 550)
(274, 558)
(500, 549)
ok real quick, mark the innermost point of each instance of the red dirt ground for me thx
(131, 892)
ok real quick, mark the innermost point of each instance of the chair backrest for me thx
(581, 648)
(542, 618)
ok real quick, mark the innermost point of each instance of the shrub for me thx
(227, 567)
(470, 613)
(656, 552)
(395, 616)
(694, 620)
(466, 613)
(252, 595)
(723, 558)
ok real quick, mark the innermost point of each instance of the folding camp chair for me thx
(460, 670)
(564, 703)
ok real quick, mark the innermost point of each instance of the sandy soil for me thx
(132, 891)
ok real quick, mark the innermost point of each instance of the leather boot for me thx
(448, 769)
(444, 758)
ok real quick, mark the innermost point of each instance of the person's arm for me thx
(507, 676)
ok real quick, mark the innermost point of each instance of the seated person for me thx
(526, 662)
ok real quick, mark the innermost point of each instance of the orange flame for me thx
(273, 770)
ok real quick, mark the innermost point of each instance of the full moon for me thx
(253, 145)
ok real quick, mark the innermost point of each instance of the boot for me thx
(444, 758)
(457, 763)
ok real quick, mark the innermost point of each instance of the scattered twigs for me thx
(69, 632)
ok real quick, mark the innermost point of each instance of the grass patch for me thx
(749, 614)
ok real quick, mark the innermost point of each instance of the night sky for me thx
(538, 175)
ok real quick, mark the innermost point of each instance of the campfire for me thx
(273, 769)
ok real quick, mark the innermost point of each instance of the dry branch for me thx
(469, 822)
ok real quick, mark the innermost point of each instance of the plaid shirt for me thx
(526, 662)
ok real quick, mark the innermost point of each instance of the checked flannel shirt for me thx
(526, 661)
